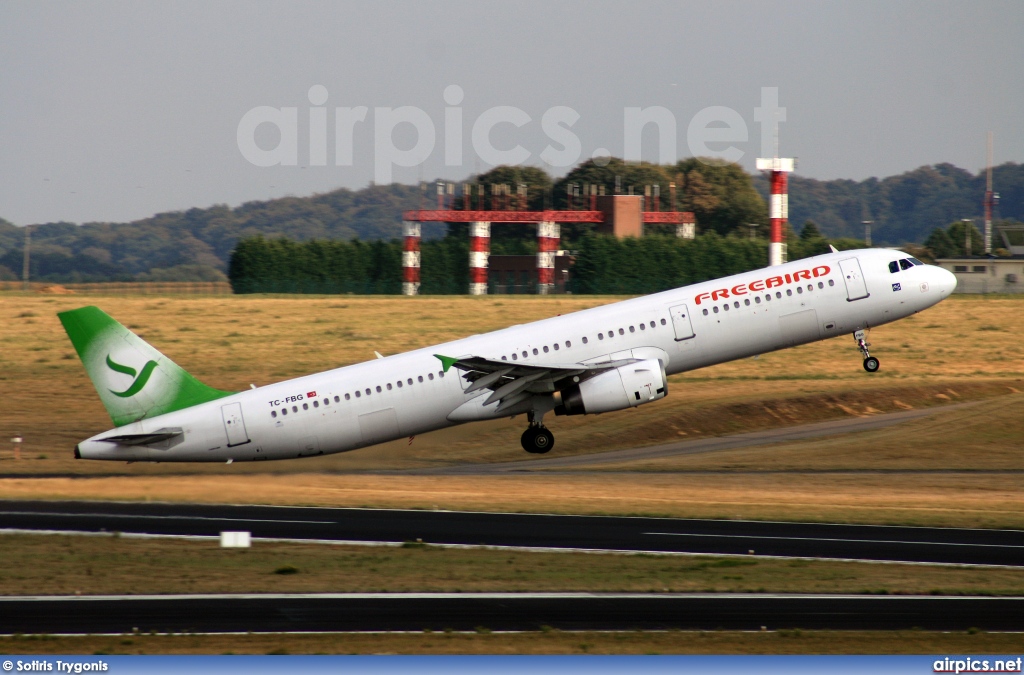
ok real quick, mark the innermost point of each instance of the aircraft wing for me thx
(512, 382)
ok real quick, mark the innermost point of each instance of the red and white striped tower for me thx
(778, 210)
(549, 237)
(479, 251)
(411, 259)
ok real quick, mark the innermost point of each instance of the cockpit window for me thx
(894, 266)
(906, 264)
(915, 261)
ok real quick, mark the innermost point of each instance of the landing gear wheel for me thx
(871, 364)
(537, 440)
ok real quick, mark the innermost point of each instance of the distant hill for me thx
(196, 244)
(904, 208)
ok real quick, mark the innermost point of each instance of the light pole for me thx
(867, 231)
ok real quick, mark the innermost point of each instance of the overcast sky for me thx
(118, 110)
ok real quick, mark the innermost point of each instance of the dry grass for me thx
(939, 356)
(549, 642)
(65, 565)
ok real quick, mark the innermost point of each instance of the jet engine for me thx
(616, 389)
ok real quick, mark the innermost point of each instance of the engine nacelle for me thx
(623, 387)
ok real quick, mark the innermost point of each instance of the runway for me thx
(531, 531)
(497, 611)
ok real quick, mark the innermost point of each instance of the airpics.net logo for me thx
(139, 379)
(718, 125)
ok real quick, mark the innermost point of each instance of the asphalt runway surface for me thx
(557, 532)
(495, 611)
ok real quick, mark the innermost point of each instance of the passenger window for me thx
(440, 374)
(419, 378)
(430, 376)
(358, 394)
(736, 304)
(525, 354)
(715, 309)
(409, 381)
(789, 291)
(504, 358)
(906, 264)
(284, 411)
(515, 357)
(757, 299)
(546, 350)
(316, 404)
(632, 330)
(389, 386)
(367, 391)
(555, 346)
(348, 397)
(273, 413)
(295, 408)
(662, 322)
(652, 324)
(568, 344)
(768, 297)
(831, 282)
(894, 267)
(799, 289)
(726, 306)
(399, 383)
(305, 406)
(810, 287)
(746, 301)
(622, 332)
(535, 351)
(600, 336)
(821, 285)
(585, 340)
(378, 388)
(643, 326)
(705, 311)
(337, 399)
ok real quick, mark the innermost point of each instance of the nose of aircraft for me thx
(944, 281)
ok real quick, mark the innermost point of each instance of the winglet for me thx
(446, 361)
(834, 249)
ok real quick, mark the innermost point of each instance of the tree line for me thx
(604, 264)
(196, 244)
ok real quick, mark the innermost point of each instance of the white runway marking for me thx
(855, 541)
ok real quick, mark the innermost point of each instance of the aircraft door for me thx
(856, 288)
(681, 322)
(234, 425)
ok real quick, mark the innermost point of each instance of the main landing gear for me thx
(870, 362)
(537, 439)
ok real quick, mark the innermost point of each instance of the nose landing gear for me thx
(537, 439)
(870, 362)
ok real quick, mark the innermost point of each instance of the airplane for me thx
(594, 361)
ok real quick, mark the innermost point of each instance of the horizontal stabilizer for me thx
(150, 438)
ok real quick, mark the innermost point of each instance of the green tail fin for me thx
(133, 379)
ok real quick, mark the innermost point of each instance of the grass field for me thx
(66, 565)
(549, 642)
(965, 349)
(956, 467)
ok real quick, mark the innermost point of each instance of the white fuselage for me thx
(409, 394)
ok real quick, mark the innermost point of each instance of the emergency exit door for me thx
(681, 322)
(856, 288)
(234, 425)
